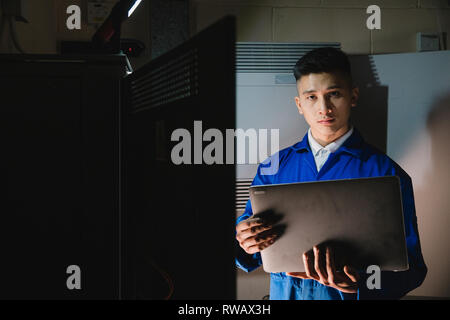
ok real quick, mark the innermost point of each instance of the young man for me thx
(332, 149)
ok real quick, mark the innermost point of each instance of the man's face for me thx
(325, 100)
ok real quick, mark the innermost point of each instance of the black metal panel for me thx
(59, 136)
(180, 218)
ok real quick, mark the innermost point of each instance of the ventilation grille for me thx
(273, 56)
(242, 194)
(176, 79)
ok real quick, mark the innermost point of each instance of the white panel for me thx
(263, 104)
(415, 81)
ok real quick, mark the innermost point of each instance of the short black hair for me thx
(326, 59)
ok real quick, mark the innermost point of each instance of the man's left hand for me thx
(320, 267)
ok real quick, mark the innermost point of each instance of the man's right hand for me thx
(256, 233)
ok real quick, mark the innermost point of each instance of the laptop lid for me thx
(362, 219)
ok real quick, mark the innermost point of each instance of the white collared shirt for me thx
(320, 153)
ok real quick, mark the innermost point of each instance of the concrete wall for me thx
(37, 36)
(260, 20)
(47, 26)
(329, 21)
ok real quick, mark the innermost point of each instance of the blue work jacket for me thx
(354, 159)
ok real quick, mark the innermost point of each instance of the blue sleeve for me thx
(245, 261)
(395, 285)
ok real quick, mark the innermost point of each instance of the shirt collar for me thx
(331, 147)
(351, 145)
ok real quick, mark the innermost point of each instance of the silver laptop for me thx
(362, 219)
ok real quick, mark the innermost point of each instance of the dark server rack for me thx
(181, 217)
(60, 171)
(87, 181)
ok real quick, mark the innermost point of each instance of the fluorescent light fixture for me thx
(135, 5)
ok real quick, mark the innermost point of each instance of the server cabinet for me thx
(180, 216)
(60, 177)
(92, 205)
